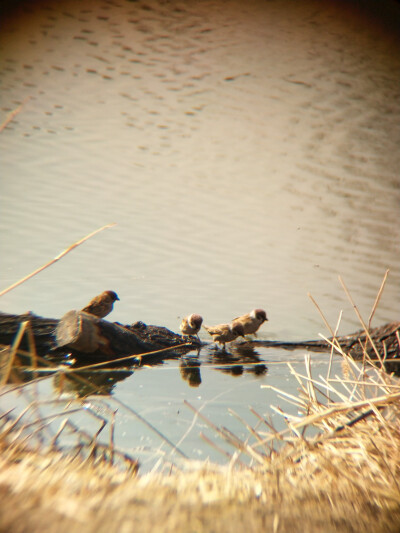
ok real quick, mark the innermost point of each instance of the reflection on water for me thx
(239, 359)
(89, 382)
(189, 367)
(148, 409)
(248, 152)
(80, 379)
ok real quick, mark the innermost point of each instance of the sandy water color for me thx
(248, 152)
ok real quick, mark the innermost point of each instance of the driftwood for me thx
(43, 330)
(87, 337)
(386, 341)
(88, 334)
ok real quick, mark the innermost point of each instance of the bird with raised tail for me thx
(224, 333)
(191, 325)
(102, 304)
(251, 321)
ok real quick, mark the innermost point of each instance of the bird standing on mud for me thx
(102, 304)
(251, 321)
(224, 333)
(191, 325)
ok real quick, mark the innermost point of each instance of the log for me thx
(89, 338)
(386, 340)
(43, 330)
(84, 333)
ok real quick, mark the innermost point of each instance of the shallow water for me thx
(248, 153)
(159, 411)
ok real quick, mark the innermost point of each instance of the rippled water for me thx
(248, 153)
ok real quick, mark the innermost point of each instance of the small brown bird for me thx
(251, 321)
(102, 304)
(191, 324)
(224, 333)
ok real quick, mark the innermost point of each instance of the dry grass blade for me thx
(112, 432)
(334, 339)
(173, 446)
(138, 357)
(216, 447)
(63, 425)
(380, 401)
(360, 319)
(55, 259)
(310, 382)
(13, 350)
(10, 117)
(378, 297)
(32, 346)
(321, 313)
(268, 423)
(228, 436)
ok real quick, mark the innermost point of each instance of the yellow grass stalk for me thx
(12, 352)
(360, 319)
(10, 117)
(378, 297)
(55, 259)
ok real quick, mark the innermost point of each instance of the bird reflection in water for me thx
(189, 368)
(243, 358)
(250, 358)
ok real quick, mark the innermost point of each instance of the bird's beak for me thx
(117, 298)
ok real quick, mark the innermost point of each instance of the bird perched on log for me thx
(191, 324)
(224, 333)
(251, 321)
(102, 304)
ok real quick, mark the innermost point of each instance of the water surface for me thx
(248, 153)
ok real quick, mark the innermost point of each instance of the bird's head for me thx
(112, 295)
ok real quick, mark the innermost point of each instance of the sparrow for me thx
(224, 333)
(191, 325)
(102, 304)
(251, 321)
